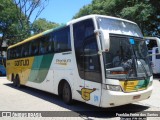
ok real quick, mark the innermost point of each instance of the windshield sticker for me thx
(131, 40)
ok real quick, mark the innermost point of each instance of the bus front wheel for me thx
(66, 94)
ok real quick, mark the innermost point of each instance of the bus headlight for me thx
(112, 87)
(150, 83)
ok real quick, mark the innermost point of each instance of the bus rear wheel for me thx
(16, 81)
(66, 94)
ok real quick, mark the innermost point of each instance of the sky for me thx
(61, 11)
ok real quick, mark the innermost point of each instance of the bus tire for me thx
(67, 94)
(17, 81)
(14, 82)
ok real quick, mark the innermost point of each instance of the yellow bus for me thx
(96, 59)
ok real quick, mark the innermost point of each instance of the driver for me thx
(117, 59)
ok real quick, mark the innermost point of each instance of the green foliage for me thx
(14, 18)
(10, 28)
(145, 13)
(139, 13)
(1, 6)
(42, 24)
(7, 19)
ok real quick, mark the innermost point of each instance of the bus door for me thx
(92, 72)
(88, 62)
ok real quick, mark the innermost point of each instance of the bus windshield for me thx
(119, 27)
(127, 58)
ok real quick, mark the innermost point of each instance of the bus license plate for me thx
(136, 97)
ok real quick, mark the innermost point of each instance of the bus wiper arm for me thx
(128, 67)
(144, 69)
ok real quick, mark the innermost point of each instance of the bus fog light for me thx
(112, 87)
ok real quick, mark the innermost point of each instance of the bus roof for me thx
(95, 16)
(70, 22)
(36, 36)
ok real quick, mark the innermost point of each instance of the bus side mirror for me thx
(104, 41)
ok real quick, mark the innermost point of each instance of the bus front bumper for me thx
(114, 98)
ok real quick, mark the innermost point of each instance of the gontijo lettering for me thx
(22, 62)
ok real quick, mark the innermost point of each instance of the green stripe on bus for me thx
(40, 68)
(44, 67)
(35, 68)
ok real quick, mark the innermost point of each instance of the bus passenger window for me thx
(43, 49)
(8, 54)
(50, 46)
(25, 50)
(43, 45)
(26, 53)
(62, 40)
(34, 48)
(14, 53)
(18, 51)
(17, 54)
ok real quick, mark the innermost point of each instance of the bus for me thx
(75, 61)
(153, 44)
(155, 60)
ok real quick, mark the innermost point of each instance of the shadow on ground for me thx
(79, 109)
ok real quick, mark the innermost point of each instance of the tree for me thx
(139, 13)
(1, 6)
(14, 18)
(143, 12)
(7, 19)
(25, 9)
(42, 24)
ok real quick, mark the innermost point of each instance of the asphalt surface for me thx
(18, 101)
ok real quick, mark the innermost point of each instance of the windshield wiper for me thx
(129, 66)
(144, 69)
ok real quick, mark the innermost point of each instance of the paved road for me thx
(29, 99)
